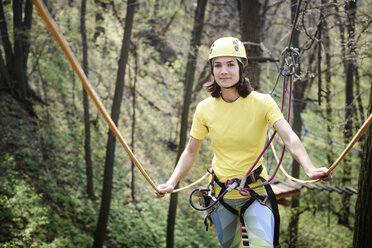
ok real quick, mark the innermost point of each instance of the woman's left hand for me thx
(320, 173)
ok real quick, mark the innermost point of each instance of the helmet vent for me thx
(236, 46)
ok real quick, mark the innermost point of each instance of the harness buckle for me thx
(232, 184)
(242, 182)
(253, 178)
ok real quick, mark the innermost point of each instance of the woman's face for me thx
(226, 71)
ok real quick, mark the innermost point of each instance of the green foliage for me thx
(23, 216)
(317, 223)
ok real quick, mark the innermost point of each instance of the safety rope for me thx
(45, 15)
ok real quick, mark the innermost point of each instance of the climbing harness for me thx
(268, 200)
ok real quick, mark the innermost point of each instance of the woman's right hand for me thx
(163, 189)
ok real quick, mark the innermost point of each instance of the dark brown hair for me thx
(243, 86)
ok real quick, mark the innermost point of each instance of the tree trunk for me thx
(8, 50)
(299, 89)
(328, 86)
(99, 235)
(363, 207)
(250, 31)
(320, 30)
(189, 79)
(298, 106)
(133, 88)
(5, 81)
(14, 68)
(349, 61)
(21, 44)
(87, 148)
(18, 74)
(27, 22)
(359, 99)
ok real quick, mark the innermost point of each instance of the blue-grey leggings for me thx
(259, 222)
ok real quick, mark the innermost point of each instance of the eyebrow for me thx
(229, 61)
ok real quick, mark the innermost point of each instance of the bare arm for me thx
(298, 152)
(184, 164)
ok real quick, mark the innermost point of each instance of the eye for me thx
(217, 65)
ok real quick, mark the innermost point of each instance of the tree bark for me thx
(16, 54)
(27, 22)
(100, 232)
(133, 88)
(250, 31)
(349, 61)
(8, 50)
(189, 79)
(363, 207)
(359, 98)
(328, 86)
(18, 74)
(298, 106)
(87, 148)
(320, 30)
(5, 81)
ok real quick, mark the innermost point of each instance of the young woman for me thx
(237, 118)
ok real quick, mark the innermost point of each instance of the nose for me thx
(223, 70)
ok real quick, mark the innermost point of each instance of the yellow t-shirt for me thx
(238, 133)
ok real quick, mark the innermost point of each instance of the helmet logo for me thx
(210, 51)
(236, 46)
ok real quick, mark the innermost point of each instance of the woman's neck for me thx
(229, 95)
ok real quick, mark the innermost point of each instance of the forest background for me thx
(65, 182)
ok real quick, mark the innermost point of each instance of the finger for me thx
(159, 195)
(326, 177)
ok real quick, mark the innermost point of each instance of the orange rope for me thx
(356, 137)
(84, 80)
